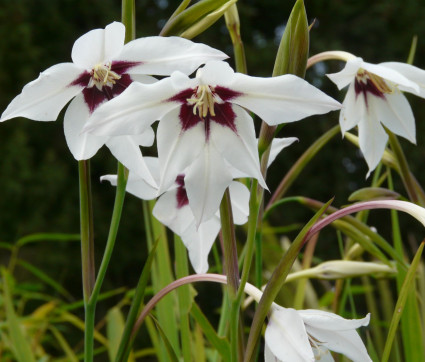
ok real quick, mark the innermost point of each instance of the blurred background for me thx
(39, 177)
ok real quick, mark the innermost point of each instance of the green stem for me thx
(233, 25)
(301, 163)
(128, 16)
(416, 194)
(113, 230)
(232, 270)
(87, 253)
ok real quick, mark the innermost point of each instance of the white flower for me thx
(204, 128)
(102, 68)
(374, 98)
(172, 209)
(308, 335)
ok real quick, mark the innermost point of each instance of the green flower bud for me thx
(293, 49)
(197, 18)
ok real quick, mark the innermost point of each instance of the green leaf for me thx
(47, 237)
(114, 331)
(70, 355)
(276, 282)
(22, 350)
(45, 278)
(123, 350)
(219, 343)
(171, 353)
(407, 287)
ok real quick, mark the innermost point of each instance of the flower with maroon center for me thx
(172, 209)
(374, 99)
(204, 128)
(102, 68)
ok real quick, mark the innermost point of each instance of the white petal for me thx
(179, 220)
(414, 74)
(268, 355)
(164, 55)
(282, 99)
(391, 75)
(43, 98)
(82, 145)
(322, 354)
(347, 75)
(135, 186)
(278, 144)
(395, 113)
(206, 180)
(134, 110)
(239, 196)
(126, 150)
(240, 148)
(347, 342)
(331, 321)
(354, 109)
(98, 46)
(216, 73)
(199, 243)
(372, 138)
(286, 336)
(177, 148)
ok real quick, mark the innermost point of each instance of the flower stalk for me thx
(87, 253)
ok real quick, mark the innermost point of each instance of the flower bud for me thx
(293, 49)
(197, 18)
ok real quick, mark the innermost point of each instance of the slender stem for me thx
(128, 16)
(216, 278)
(113, 230)
(416, 194)
(232, 269)
(233, 25)
(87, 252)
(229, 241)
(300, 164)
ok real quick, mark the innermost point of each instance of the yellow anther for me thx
(103, 75)
(203, 101)
(378, 82)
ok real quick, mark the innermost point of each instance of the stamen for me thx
(103, 75)
(203, 101)
(380, 84)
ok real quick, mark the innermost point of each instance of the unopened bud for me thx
(293, 49)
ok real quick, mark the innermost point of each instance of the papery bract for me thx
(374, 98)
(204, 128)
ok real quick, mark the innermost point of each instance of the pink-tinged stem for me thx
(216, 278)
(416, 211)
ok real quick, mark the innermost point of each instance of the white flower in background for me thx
(308, 335)
(102, 68)
(204, 128)
(172, 209)
(374, 99)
